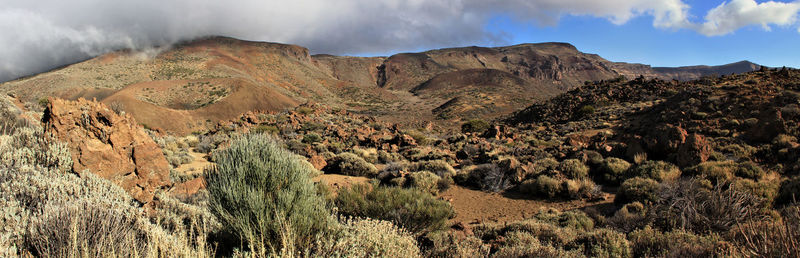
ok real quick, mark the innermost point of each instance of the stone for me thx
(694, 151)
(109, 145)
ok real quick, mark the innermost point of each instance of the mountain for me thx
(685, 73)
(193, 85)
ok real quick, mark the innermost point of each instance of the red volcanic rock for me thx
(694, 151)
(109, 145)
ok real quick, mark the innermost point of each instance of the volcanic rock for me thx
(109, 145)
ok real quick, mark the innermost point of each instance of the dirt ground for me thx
(475, 206)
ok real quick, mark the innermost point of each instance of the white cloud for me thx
(731, 16)
(42, 34)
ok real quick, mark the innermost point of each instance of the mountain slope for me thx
(195, 84)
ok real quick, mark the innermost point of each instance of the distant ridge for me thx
(197, 83)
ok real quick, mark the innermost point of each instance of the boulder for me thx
(109, 145)
(769, 125)
(694, 151)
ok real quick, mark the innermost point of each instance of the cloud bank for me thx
(43, 34)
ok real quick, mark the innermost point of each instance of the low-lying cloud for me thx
(43, 34)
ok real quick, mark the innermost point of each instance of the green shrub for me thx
(656, 170)
(716, 171)
(350, 164)
(367, 238)
(488, 177)
(451, 244)
(573, 169)
(523, 244)
(416, 211)
(649, 242)
(750, 170)
(267, 129)
(543, 186)
(602, 243)
(475, 126)
(614, 170)
(585, 111)
(263, 196)
(630, 217)
(568, 219)
(439, 167)
(419, 137)
(547, 233)
(311, 138)
(766, 190)
(789, 191)
(637, 189)
(425, 181)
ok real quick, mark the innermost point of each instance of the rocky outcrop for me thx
(109, 145)
(694, 151)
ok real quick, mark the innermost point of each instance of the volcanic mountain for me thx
(193, 85)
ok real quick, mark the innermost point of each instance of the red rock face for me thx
(111, 146)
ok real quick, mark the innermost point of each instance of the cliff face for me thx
(193, 85)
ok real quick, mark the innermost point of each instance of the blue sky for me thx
(637, 41)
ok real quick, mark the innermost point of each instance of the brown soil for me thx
(198, 164)
(474, 206)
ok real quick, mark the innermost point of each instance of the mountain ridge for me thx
(214, 79)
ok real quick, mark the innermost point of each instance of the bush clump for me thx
(657, 170)
(603, 243)
(264, 197)
(543, 186)
(425, 181)
(355, 237)
(573, 169)
(413, 209)
(637, 189)
(649, 242)
(614, 170)
(475, 126)
(350, 164)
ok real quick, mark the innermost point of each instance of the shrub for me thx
(523, 244)
(649, 242)
(263, 196)
(545, 232)
(416, 211)
(602, 243)
(774, 238)
(585, 111)
(637, 189)
(614, 170)
(750, 170)
(439, 167)
(350, 164)
(568, 219)
(690, 205)
(311, 138)
(631, 216)
(367, 238)
(419, 137)
(543, 186)
(425, 181)
(573, 169)
(475, 126)
(488, 177)
(657, 170)
(716, 171)
(766, 190)
(450, 244)
(789, 191)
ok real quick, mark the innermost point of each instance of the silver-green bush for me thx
(263, 195)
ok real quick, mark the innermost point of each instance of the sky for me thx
(36, 36)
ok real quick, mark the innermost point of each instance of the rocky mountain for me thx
(193, 85)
